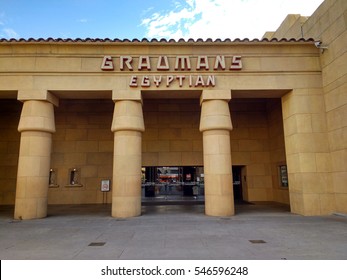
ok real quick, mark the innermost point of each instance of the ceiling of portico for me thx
(83, 94)
(8, 94)
(259, 93)
(156, 94)
(191, 94)
(146, 94)
(171, 94)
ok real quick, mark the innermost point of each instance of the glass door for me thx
(172, 183)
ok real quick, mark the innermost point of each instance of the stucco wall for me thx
(329, 24)
(83, 140)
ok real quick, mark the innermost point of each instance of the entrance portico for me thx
(128, 125)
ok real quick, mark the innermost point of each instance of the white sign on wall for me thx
(105, 185)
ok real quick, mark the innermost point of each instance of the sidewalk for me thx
(172, 232)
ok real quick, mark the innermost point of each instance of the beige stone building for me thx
(254, 120)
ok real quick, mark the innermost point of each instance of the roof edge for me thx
(153, 41)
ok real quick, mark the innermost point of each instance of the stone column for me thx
(127, 125)
(215, 124)
(36, 126)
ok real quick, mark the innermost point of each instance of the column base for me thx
(219, 206)
(30, 208)
(126, 207)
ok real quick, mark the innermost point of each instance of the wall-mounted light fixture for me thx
(320, 46)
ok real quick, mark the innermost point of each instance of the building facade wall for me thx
(328, 24)
(72, 80)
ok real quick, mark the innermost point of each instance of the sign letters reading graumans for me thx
(179, 64)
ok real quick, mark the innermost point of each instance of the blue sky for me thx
(146, 18)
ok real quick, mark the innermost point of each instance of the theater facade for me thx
(119, 121)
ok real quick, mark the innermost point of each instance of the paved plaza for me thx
(266, 232)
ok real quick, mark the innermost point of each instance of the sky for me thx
(138, 19)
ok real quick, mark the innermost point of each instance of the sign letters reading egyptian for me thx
(172, 64)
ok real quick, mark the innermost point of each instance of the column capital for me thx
(219, 94)
(128, 115)
(37, 115)
(215, 115)
(129, 94)
(37, 94)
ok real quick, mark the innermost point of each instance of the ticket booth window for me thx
(74, 177)
(53, 178)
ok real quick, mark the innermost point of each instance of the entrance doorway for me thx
(181, 183)
(237, 183)
(172, 184)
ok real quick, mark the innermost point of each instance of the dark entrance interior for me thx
(237, 184)
(173, 183)
(181, 183)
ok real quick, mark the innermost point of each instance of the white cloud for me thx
(10, 33)
(147, 10)
(7, 31)
(170, 24)
(224, 18)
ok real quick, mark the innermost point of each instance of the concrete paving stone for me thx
(163, 253)
(106, 252)
(172, 232)
(231, 253)
(116, 238)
